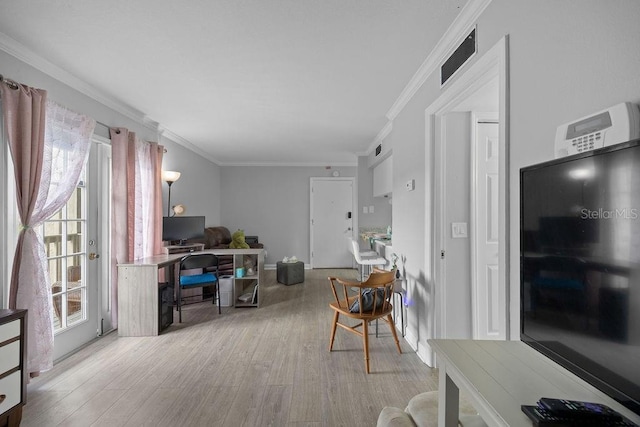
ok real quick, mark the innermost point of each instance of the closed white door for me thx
(331, 220)
(488, 299)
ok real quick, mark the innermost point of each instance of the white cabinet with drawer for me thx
(383, 178)
(13, 391)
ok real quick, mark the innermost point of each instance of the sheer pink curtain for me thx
(49, 148)
(136, 203)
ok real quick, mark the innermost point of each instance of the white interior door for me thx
(488, 299)
(331, 220)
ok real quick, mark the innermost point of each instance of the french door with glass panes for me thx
(74, 240)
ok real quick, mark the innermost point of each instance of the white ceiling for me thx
(244, 81)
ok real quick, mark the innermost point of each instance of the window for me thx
(64, 240)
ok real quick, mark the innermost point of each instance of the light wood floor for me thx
(247, 367)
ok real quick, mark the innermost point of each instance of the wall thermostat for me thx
(614, 125)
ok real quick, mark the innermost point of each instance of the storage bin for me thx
(226, 299)
(290, 273)
(226, 291)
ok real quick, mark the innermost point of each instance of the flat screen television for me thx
(580, 266)
(182, 228)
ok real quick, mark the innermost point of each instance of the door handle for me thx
(93, 256)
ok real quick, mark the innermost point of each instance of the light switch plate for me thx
(371, 209)
(365, 210)
(459, 230)
(411, 185)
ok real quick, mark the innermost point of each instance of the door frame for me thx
(492, 64)
(103, 215)
(354, 211)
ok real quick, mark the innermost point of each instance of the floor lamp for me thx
(170, 177)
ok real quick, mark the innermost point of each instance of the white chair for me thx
(366, 259)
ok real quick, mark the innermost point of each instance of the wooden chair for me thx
(371, 301)
(205, 267)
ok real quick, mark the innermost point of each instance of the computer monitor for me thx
(182, 228)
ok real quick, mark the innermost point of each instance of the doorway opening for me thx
(449, 209)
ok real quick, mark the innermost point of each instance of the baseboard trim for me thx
(423, 350)
(273, 266)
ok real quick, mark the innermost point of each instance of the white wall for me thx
(457, 209)
(566, 59)
(273, 203)
(198, 188)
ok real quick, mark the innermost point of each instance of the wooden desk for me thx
(138, 289)
(499, 376)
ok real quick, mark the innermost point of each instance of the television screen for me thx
(580, 266)
(182, 228)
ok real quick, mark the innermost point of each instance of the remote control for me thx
(578, 410)
(544, 418)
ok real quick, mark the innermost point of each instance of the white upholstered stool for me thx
(366, 260)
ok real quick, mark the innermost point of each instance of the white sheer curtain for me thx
(66, 149)
(145, 200)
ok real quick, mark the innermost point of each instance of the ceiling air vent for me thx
(457, 59)
(378, 150)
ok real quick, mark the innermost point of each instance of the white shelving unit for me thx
(246, 289)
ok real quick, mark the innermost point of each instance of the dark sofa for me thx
(219, 238)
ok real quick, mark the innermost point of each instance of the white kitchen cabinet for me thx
(383, 178)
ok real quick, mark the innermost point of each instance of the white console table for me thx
(499, 376)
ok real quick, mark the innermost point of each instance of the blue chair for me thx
(202, 271)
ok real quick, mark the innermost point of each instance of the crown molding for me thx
(293, 164)
(166, 133)
(458, 29)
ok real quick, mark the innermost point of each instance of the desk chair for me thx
(205, 267)
(371, 302)
(365, 259)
